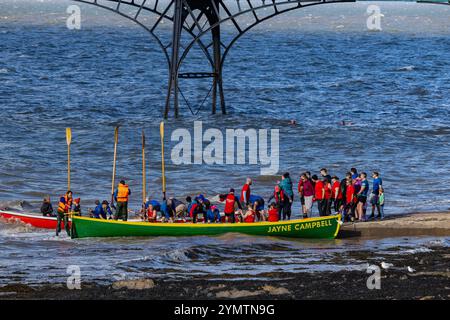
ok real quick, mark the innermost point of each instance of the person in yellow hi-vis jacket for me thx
(64, 208)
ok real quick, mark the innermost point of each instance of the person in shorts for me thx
(362, 196)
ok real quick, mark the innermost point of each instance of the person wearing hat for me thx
(231, 201)
(121, 196)
(64, 209)
(102, 211)
(77, 207)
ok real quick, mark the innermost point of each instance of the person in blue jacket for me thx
(102, 211)
(257, 203)
(213, 215)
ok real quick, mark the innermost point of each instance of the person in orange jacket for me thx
(64, 208)
(121, 196)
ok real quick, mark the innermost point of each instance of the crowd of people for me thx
(349, 197)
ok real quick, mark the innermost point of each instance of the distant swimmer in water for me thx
(293, 122)
(346, 123)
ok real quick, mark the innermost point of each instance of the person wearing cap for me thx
(231, 201)
(77, 207)
(121, 196)
(102, 210)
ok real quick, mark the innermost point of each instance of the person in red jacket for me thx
(231, 202)
(319, 194)
(250, 215)
(273, 213)
(245, 193)
(279, 197)
(336, 194)
(349, 199)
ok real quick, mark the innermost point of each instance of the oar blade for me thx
(161, 129)
(116, 135)
(161, 132)
(68, 136)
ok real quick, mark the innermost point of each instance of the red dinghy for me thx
(35, 220)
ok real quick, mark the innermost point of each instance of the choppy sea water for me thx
(36, 256)
(318, 65)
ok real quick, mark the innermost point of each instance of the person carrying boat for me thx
(245, 192)
(178, 209)
(231, 202)
(166, 213)
(77, 207)
(279, 197)
(121, 196)
(213, 215)
(273, 213)
(102, 211)
(153, 207)
(195, 209)
(250, 215)
(257, 203)
(64, 208)
(47, 208)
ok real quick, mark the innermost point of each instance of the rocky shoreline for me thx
(430, 280)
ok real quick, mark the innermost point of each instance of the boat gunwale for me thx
(27, 215)
(208, 225)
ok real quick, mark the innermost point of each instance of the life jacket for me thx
(122, 193)
(229, 203)
(318, 190)
(250, 218)
(327, 187)
(336, 186)
(64, 206)
(273, 215)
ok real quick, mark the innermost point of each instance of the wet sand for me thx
(413, 224)
(429, 280)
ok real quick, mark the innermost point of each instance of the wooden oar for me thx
(69, 141)
(144, 180)
(116, 140)
(161, 132)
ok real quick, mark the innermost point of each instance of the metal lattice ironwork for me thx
(198, 19)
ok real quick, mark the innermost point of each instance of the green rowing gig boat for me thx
(323, 227)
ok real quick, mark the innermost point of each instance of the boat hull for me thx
(30, 219)
(323, 227)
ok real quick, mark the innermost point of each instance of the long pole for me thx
(161, 132)
(69, 141)
(144, 180)
(116, 140)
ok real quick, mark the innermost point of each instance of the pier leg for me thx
(173, 77)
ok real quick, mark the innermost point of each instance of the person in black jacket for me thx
(47, 208)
